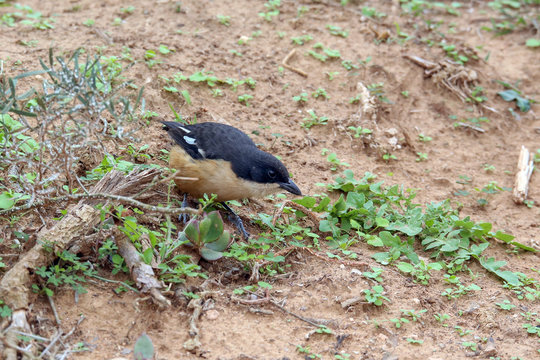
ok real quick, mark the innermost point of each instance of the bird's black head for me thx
(264, 168)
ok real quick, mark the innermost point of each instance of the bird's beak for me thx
(291, 187)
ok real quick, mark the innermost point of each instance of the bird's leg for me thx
(235, 219)
(184, 218)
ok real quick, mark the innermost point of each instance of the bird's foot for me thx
(184, 218)
(236, 220)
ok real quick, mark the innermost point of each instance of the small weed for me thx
(348, 65)
(320, 92)
(421, 156)
(313, 120)
(461, 331)
(245, 99)
(375, 295)
(301, 99)
(327, 53)
(387, 157)
(372, 12)
(506, 305)
(419, 271)
(89, 22)
(272, 7)
(359, 131)
(127, 10)
(224, 20)
(441, 318)
(378, 91)
(470, 345)
(333, 159)
(424, 138)
(301, 40)
(337, 31)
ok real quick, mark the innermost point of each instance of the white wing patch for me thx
(190, 140)
(184, 129)
(201, 151)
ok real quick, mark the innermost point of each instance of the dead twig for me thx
(141, 273)
(524, 172)
(118, 198)
(285, 64)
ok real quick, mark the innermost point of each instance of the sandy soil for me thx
(315, 287)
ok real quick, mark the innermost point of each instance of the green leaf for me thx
(143, 349)
(451, 245)
(503, 236)
(192, 231)
(382, 222)
(389, 240)
(532, 42)
(523, 104)
(6, 200)
(147, 256)
(209, 254)
(508, 95)
(215, 228)
(186, 96)
(407, 229)
(307, 201)
(221, 243)
(405, 267)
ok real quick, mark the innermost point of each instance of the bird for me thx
(215, 158)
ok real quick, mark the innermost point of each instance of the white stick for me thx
(523, 175)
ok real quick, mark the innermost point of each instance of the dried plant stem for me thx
(118, 198)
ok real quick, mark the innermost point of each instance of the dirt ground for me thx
(314, 287)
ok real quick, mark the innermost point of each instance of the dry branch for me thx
(142, 273)
(81, 219)
(523, 175)
(285, 64)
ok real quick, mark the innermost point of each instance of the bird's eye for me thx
(271, 174)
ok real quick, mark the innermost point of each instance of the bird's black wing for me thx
(210, 140)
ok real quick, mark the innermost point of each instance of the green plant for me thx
(301, 40)
(245, 99)
(505, 305)
(224, 20)
(272, 7)
(441, 318)
(470, 345)
(337, 31)
(127, 10)
(359, 131)
(207, 236)
(69, 271)
(302, 98)
(326, 53)
(461, 331)
(419, 271)
(387, 157)
(5, 311)
(459, 289)
(421, 156)
(333, 159)
(313, 119)
(320, 92)
(372, 12)
(513, 95)
(374, 274)
(375, 295)
(378, 91)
